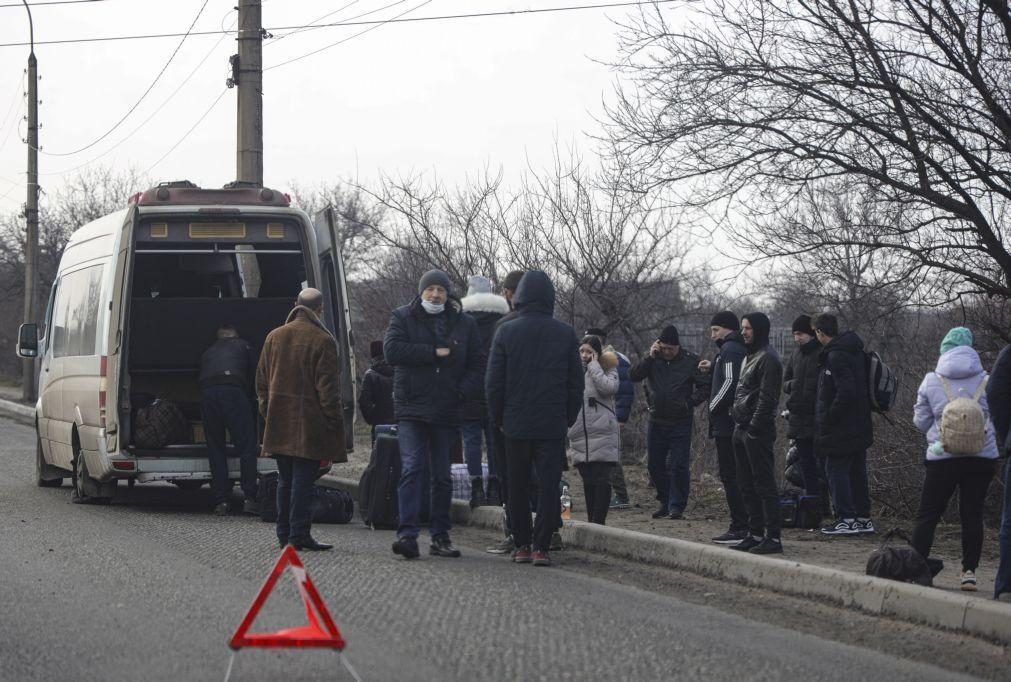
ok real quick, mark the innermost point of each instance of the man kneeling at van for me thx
(226, 372)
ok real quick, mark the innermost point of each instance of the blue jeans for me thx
(425, 449)
(227, 407)
(472, 432)
(847, 482)
(295, 479)
(1002, 581)
(669, 449)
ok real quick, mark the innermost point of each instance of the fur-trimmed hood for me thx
(485, 303)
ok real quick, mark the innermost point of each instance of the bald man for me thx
(298, 387)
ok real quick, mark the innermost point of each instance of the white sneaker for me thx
(864, 526)
(968, 581)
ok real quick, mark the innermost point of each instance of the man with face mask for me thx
(435, 350)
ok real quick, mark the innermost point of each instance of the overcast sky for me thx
(443, 97)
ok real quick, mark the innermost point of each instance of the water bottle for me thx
(566, 503)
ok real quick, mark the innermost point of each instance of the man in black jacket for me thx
(843, 426)
(675, 386)
(754, 411)
(227, 369)
(435, 350)
(375, 400)
(998, 398)
(724, 330)
(534, 386)
(800, 384)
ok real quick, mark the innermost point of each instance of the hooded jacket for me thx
(487, 310)
(375, 400)
(675, 386)
(757, 397)
(298, 390)
(726, 374)
(595, 436)
(427, 388)
(963, 373)
(800, 384)
(534, 383)
(998, 396)
(843, 423)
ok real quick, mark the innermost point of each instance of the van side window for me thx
(76, 313)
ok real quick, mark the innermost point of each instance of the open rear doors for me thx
(337, 312)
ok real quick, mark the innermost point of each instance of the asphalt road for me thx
(152, 587)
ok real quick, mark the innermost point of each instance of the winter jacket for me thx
(298, 390)
(998, 396)
(534, 383)
(229, 361)
(800, 384)
(725, 375)
(427, 388)
(595, 436)
(963, 373)
(756, 400)
(487, 310)
(674, 387)
(842, 419)
(375, 400)
(626, 388)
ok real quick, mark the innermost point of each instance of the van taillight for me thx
(103, 371)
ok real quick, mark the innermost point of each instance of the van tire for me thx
(46, 475)
(86, 489)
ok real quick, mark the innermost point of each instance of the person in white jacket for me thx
(594, 440)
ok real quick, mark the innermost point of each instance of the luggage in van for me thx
(377, 489)
(159, 424)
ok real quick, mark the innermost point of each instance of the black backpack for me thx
(332, 505)
(881, 382)
(901, 563)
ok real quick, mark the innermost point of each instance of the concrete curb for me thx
(905, 601)
(22, 413)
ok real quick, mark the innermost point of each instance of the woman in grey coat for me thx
(594, 441)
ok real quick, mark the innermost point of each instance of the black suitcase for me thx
(377, 489)
(332, 505)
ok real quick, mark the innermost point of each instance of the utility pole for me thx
(247, 70)
(31, 210)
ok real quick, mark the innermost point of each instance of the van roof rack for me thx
(184, 192)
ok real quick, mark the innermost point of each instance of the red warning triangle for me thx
(312, 635)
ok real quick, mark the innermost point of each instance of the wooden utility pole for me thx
(31, 210)
(248, 77)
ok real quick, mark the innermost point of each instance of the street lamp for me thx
(31, 208)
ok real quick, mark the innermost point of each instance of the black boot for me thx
(477, 498)
(493, 498)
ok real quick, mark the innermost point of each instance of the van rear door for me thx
(337, 312)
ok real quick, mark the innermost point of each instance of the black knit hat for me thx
(803, 324)
(435, 278)
(376, 349)
(669, 335)
(725, 319)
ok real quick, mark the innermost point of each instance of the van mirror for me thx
(28, 340)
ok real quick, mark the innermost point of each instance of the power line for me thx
(445, 17)
(312, 24)
(188, 132)
(141, 99)
(54, 2)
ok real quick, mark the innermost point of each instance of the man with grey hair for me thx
(298, 386)
(226, 374)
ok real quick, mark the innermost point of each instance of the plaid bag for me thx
(159, 424)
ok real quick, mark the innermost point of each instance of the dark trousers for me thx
(971, 476)
(618, 484)
(812, 473)
(545, 457)
(847, 481)
(756, 477)
(295, 479)
(727, 463)
(473, 432)
(669, 449)
(1002, 581)
(596, 488)
(227, 407)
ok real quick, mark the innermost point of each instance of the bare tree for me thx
(359, 220)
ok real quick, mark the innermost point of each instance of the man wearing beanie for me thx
(724, 330)
(487, 309)
(754, 411)
(435, 350)
(375, 400)
(843, 429)
(800, 384)
(675, 385)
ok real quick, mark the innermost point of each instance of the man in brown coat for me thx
(298, 386)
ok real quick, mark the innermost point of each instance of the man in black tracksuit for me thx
(724, 330)
(754, 411)
(800, 384)
(534, 386)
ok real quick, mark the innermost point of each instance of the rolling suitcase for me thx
(377, 489)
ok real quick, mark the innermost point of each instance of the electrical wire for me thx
(188, 132)
(54, 2)
(312, 24)
(445, 17)
(18, 95)
(142, 97)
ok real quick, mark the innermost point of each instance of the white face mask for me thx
(432, 308)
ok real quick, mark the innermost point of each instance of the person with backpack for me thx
(843, 429)
(375, 400)
(998, 396)
(951, 409)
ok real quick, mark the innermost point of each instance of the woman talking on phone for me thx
(594, 443)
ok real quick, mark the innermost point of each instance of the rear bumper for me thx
(176, 463)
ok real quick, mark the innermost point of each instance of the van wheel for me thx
(46, 475)
(86, 489)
